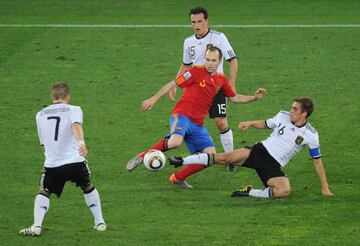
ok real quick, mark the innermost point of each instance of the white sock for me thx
(92, 199)
(265, 193)
(41, 206)
(227, 142)
(196, 159)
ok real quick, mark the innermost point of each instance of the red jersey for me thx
(200, 88)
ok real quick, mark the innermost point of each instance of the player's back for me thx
(54, 125)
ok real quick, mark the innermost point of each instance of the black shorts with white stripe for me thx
(263, 163)
(53, 179)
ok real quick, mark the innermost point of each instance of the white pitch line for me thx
(175, 26)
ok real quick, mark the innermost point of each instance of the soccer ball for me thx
(154, 160)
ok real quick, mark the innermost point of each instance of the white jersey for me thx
(54, 126)
(195, 48)
(288, 139)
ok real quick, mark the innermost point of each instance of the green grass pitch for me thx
(111, 70)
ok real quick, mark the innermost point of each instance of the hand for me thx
(260, 93)
(326, 192)
(244, 125)
(148, 104)
(172, 94)
(83, 151)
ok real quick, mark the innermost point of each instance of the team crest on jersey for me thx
(202, 83)
(187, 75)
(299, 140)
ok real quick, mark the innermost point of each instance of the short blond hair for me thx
(60, 91)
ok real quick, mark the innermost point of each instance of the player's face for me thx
(199, 24)
(212, 61)
(296, 112)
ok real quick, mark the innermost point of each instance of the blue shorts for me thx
(196, 138)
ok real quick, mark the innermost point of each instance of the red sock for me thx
(188, 170)
(160, 145)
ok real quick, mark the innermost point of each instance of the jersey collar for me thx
(202, 36)
(299, 126)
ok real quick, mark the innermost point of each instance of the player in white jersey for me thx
(194, 55)
(60, 132)
(291, 133)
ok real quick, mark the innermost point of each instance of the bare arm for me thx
(149, 103)
(322, 175)
(182, 69)
(233, 70)
(79, 136)
(260, 93)
(260, 124)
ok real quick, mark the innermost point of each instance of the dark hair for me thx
(199, 10)
(307, 105)
(59, 91)
(212, 48)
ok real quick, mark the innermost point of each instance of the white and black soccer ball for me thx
(154, 160)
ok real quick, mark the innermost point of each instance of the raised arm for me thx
(319, 167)
(233, 70)
(260, 93)
(182, 69)
(79, 136)
(149, 103)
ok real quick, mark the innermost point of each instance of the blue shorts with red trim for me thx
(196, 138)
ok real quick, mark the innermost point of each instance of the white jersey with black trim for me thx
(287, 139)
(54, 126)
(195, 48)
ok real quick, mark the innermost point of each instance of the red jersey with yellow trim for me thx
(200, 88)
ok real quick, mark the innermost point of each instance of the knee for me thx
(282, 192)
(44, 192)
(221, 124)
(174, 143)
(87, 188)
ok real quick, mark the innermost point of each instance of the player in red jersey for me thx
(202, 83)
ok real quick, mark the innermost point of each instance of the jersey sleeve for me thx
(273, 122)
(187, 60)
(226, 48)
(228, 90)
(314, 147)
(38, 128)
(187, 78)
(76, 115)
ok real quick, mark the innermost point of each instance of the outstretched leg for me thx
(236, 157)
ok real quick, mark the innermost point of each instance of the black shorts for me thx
(264, 164)
(218, 108)
(53, 179)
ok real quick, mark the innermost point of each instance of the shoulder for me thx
(221, 76)
(217, 33)
(285, 113)
(310, 128)
(38, 114)
(41, 112)
(219, 36)
(198, 68)
(74, 108)
(189, 39)
(221, 79)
